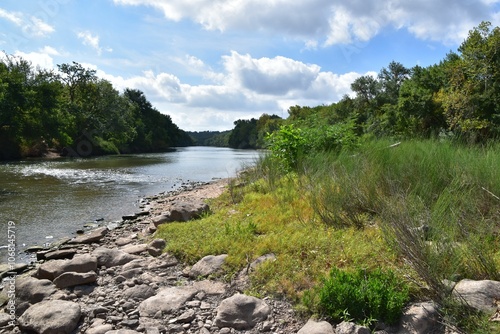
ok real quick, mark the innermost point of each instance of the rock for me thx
(187, 316)
(208, 265)
(480, 295)
(155, 247)
(419, 318)
(93, 236)
(210, 287)
(123, 331)
(80, 264)
(100, 329)
(60, 254)
(7, 269)
(261, 259)
(135, 249)
(166, 301)
(241, 312)
(32, 290)
(316, 327)
(4, 319)
(138, 292)
(112, 257)
(161, 219)
(351, 328)
(181, 211)
(69, 279)
(51, 317)
(123, 241)
(34, 249)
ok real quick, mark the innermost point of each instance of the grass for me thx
(356, 211)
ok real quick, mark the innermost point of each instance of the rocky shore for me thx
(117, 280)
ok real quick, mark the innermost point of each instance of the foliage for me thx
(74, 112)
(362, 295)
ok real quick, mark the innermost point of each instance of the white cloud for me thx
(247, 87)
(88, 39)
(332, 22)
(276, 76)
(31, 26)
(16, 18)
(37, 59)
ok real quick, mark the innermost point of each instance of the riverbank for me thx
(108, 276)
(119, 281)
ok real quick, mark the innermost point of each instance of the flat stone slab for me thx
(166, 301)
(93, 236)
(80, 264)
(135, 249)
(208, 265)
(112, 257)
(70, 279)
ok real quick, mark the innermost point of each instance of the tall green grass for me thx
(428, 211)
(437, 202)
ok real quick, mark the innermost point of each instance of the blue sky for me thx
(207, 63)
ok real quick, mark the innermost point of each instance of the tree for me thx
(472, 99)
(391, 79)
(244, 134)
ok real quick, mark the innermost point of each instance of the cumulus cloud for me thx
(246, 87)
(332, 22)
(276, 76)
(31, 26)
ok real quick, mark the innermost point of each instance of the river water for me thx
(51, 199)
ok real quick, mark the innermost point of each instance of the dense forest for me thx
(72, 111)
(458, 98)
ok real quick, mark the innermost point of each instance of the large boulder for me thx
(480, 295)
(51, 317)
(241, 312)
(181, 211)
(166, 301)
(80, 264)
(208, 265)
(32, 290)
(316, 327)
(112, 257)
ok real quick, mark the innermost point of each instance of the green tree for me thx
(244, 134)
(472, 99)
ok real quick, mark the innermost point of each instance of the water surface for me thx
(52, 199)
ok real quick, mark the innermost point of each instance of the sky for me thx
(208, 63)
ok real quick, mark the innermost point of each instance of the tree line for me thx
(74, 112)
(457, 98)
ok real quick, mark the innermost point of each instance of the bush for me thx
(363, 296)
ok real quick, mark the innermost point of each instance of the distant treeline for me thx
(72, 111)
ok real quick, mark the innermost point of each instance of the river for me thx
(51, 199)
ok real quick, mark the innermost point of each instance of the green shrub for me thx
(363, 296)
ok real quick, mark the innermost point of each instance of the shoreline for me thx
(128, 261)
